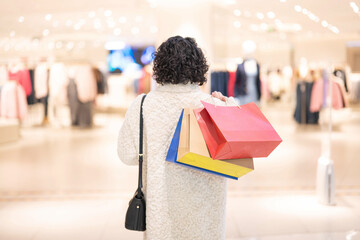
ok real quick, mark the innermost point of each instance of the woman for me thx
(181, 203)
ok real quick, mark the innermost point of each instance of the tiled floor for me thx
(62, 183)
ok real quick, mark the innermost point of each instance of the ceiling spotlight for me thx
(107, 13)
(298, 8)
(21, 19)
(324, 23)
(237, 24)
(260, 15)
(69, 45)
(48, 17)
(305, 11)
(237, 12)
(354, 6)
(59, 44)
(263, 26)
(46, 32)
(271, 15)
(135, 30)
(12, 34)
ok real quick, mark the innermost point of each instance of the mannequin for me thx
(247, 86)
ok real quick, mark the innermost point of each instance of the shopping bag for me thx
(188, 148)
(232, 132)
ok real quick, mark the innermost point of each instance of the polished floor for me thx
(66, 183)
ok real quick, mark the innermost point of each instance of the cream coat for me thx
(182, 203)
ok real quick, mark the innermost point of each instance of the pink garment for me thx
(13, 101)
(231, 84)
(317, 93)
(41, 81)
(23, 78)
(85, 83)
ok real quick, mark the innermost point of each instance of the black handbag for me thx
(135, 215)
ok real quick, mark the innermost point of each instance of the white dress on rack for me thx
(182, 203)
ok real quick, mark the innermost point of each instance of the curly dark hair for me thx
(180, 60)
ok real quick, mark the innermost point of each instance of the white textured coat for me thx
(181, 203)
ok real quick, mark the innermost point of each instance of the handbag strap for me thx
(141, 147)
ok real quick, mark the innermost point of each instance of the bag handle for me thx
(141, 155)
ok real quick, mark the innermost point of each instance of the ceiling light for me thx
(92, 14)
(260, 15)
(237, 12)
(48, 17)
(354, 6)
(237, 24)
(46, 32)
(117, 31)
(12, 34)
(153, 29)
(122, 19)
(135, 30)
(271, 15)
(107, 13)
(21, 19)
(335, 29)
(305, 11)
(324, 23)
(298, 8)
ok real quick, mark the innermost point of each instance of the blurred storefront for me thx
(70, 69)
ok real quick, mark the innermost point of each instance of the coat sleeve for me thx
(128, 140)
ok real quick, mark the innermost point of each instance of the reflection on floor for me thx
(60, 183)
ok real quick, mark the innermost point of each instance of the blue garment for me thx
(303, 97)
(252, 93)
(241, 83)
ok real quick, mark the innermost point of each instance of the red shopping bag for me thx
(236, 132)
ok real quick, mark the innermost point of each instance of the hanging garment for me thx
(23, 78)
(41, 81)
(243, 79)
(100, 81)
(317, 97)
(219, 82)
(342, 75)
(13, 101)
(4, 75)
(85, 83)
(303, 98)
(31, 98)
(80, 112)
(231, 84)
(181, 203)
(58, 81)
